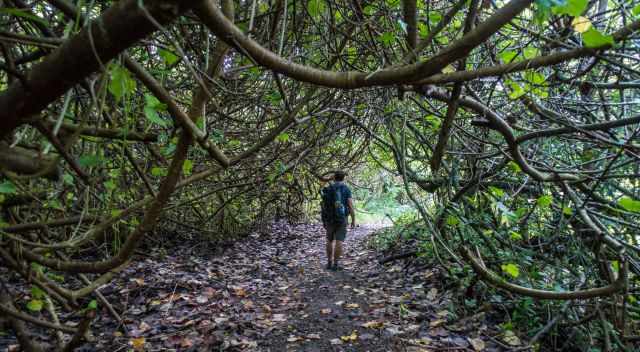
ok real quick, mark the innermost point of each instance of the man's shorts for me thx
(336, 232)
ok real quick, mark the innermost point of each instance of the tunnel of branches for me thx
(512, 126)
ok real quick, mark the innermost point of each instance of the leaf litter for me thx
(271, 292)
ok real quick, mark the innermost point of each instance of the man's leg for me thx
(337, 252)
(329, 245)
(339, 235)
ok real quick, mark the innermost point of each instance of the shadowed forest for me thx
(162, 161)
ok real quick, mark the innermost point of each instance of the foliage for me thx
(509, 130)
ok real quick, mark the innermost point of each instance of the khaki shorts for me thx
(336, 232)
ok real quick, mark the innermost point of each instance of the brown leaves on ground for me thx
(271, 291)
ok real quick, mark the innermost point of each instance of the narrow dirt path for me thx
(271, 292)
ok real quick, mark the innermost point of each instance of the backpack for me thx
(333, 209)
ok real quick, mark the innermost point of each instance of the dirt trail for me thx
(271, 292)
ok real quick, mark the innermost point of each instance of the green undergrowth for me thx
(519, 318)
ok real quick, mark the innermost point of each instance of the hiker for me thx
(336, 201)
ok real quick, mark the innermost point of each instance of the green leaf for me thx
(567, 211)
(423, 30)
(168, 57)
(68, 179)
(434, 121)
(36, 292)
(152, 101)
(511, 269)
(283, 137)
(151, 107)
(571, 7)
(158, 171)
(93, 304)
(110, 185)
(545, 201)
(152, 115)
(629, 204)
(35, 305)
(535, 77)
(387, 38)
(636, 10)
(508, 56)
(200, 123)
(513, 166)
(369, 10)
(452, 221)
(7, 187)
(89, 160)
(315, 8)
(498, 192)
(187, 167)
(434, 17)
(516, 90)
(516, 236)
(593, 38)
(21, 13)
(121, 82)
(530, 52)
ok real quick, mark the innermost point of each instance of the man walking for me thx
(336, 201)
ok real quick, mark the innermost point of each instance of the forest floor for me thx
(271, 292)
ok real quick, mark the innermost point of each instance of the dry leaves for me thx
(373, 324)
(511, 338)
(350, 338)
(477, 343)
(138, 343)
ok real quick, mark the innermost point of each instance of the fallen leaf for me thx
(393, 330)
(374, 324)
(336, 342)
(279, 318)
(352, 306)
(436, 323)
(294, 339)
(313, 336)
(511, 338)
(144, 327)
(433, 293)
(138, 343)
(420, 342)
(220, 320)
(348, 338)
(239, 291)
(478, 344)
(325, 311)
(339, 303)
(186, 343)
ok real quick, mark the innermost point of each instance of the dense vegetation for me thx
(511, 127)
